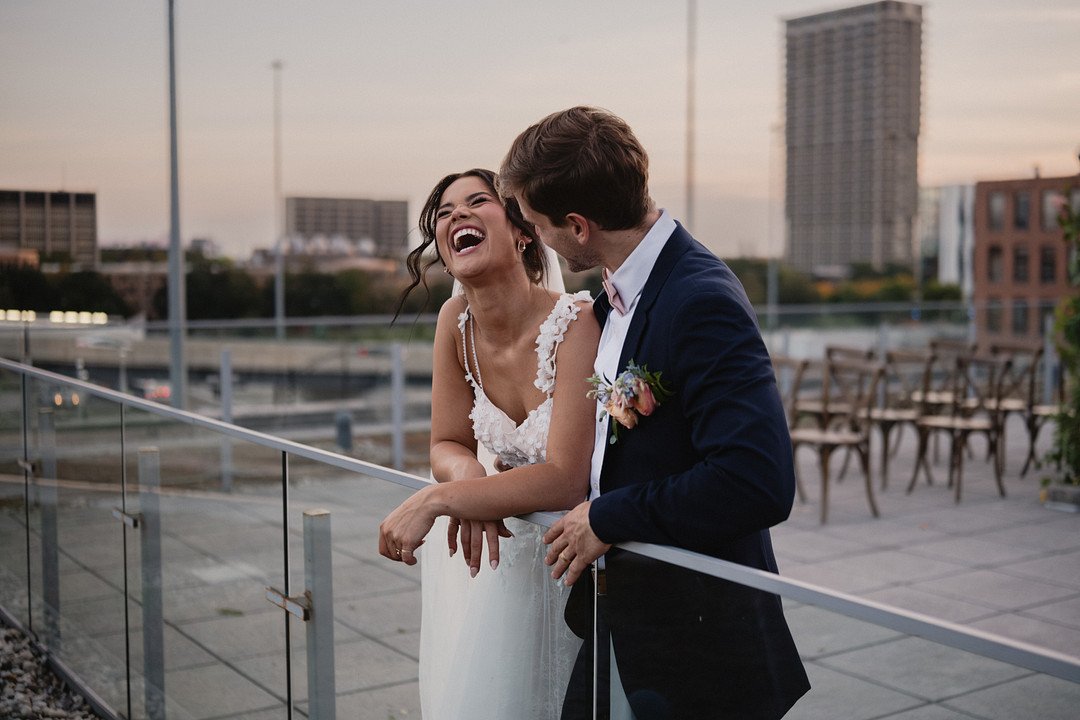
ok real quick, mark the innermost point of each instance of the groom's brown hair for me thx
(583, 160)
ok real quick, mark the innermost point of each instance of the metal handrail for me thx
(961, 637)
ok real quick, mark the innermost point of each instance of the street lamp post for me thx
(279, 224)
(177, 307)
(691, 51)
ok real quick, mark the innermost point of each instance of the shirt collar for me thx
(629, 280)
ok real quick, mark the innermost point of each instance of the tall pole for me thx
(177, 309)
(279, 223)
(691, 51)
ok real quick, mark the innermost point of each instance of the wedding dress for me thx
(496, 646)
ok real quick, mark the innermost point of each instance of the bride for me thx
(493, 643)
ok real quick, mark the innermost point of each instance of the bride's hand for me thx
(472, 541)
(403, 530)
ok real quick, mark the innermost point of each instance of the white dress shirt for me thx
(629, 281)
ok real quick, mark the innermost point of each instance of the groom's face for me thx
(563, 240)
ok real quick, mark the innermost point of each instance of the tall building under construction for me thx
(853, 95)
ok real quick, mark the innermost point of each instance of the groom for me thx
(709, 469)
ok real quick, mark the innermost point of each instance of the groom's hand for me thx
(574, 546)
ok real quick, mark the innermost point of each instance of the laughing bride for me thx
(493, 642)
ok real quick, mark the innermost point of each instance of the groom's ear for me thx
(580, 227)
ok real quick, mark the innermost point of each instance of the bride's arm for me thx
(558, 484)
(453, 447)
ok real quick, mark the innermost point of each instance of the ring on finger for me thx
(562, 556)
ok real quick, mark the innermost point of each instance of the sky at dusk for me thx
(381, 99)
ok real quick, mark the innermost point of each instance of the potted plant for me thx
(1063, 491)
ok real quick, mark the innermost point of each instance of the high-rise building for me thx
(853, 97)
(60, 226)
(347, 226)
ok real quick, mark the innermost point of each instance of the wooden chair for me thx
(1017, 384)
(905, 375)
(848, 391)
(975, 390)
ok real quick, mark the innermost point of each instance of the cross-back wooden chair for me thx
(974, 408)
(905, 375)
(1017, 382)
(848, 391)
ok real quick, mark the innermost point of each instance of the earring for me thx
(522, 245)
(447, 271)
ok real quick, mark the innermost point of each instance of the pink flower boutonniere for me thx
(635, 391)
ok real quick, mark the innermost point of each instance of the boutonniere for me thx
(635, 391)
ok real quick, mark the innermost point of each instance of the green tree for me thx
(87, 291)
(25, 288)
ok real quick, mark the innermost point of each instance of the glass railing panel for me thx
(76, 556)
(857, 669)
(860, 670)
(376, 602)
(12, 339)
(14, 583)
(208, 544)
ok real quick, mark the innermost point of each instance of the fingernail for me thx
(494, 564)
(473, 571)
(451, 552)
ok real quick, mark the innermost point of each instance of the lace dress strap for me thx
(463, 320)
(552, 331)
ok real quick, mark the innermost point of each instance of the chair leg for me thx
(998, 441)
(1033, 428)
(843, 468)
(823, 455)
(959, 444)
(920, 459)
(885, 429)
(864, 456)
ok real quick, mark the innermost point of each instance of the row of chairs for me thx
(949, 390)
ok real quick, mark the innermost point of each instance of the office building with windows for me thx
(853, 107)
(1020, 256)
(59, 226)
(347, 226)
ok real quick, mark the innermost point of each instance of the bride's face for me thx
(472, 230)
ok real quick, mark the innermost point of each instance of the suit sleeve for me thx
(742, 479)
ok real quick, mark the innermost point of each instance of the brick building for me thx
(1020, 256)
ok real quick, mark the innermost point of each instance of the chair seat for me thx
(894, 414)
(825, 437)
(1045, 410)
(935, 422)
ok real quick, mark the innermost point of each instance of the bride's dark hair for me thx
(418, 265)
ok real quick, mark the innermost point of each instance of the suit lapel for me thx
(676, 245)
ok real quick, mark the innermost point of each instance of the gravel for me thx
(28, 689)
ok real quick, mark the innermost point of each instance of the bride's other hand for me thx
(472, 542)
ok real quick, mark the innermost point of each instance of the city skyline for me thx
(382, 101)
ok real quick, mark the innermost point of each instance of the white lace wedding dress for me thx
(496, 646)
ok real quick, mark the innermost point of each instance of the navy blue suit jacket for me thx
(710, 470)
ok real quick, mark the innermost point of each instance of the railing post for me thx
(319, 589)
(397, 403)
(50, 544)
(152, 616)
(225, 375)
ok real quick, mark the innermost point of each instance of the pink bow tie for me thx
(612, 293)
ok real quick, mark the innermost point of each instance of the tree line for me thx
(216, 289)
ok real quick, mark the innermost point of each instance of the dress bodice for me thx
(526, 443)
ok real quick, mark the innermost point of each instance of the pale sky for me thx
(381, 99)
